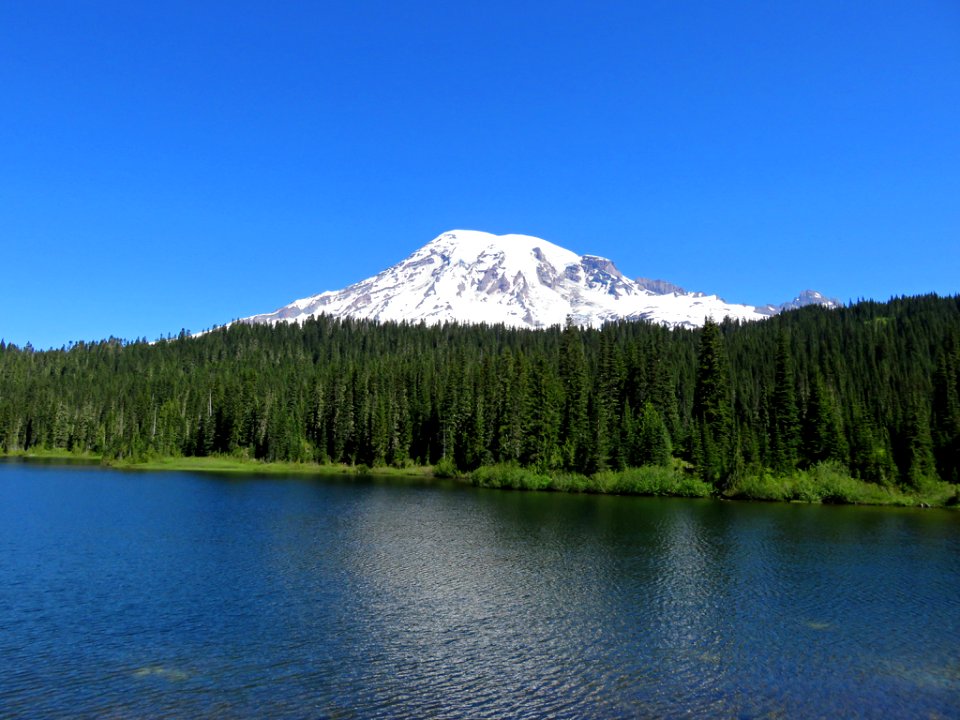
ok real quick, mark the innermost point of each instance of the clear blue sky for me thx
(180, 164)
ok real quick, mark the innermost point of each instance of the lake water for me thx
(156, 595)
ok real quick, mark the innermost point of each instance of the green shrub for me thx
(692, 487)
(823, 483)
(445, 468)
(761, 486)
(650, 480)
(570, 482)
(509, 476)
(829, 482)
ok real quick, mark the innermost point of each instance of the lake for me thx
(149, 595)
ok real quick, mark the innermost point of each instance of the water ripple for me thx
(181, 596)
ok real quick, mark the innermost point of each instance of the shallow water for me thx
(126, 595)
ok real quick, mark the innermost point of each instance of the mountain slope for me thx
(518, 280)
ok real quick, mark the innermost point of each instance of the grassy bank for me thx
(828, 483)
(650, 480)
(821, 484)
(37, 453)
(230, 464)
(220, 464)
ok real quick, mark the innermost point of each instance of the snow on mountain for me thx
(659, 287)
(807, 297)
(518, 280)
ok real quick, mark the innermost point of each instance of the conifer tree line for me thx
(873, 387)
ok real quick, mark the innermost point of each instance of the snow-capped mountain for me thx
(518, 280)
(807, 297)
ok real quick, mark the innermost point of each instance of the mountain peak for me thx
(806, 297)
(470, 276)
(473, 244)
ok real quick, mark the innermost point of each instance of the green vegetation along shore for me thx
(826, 483)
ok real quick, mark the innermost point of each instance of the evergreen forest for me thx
(871, 391)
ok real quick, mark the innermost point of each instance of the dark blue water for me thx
(165, 595)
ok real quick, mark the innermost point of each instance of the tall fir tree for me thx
(606, 403)
(822, 431)
(713, 410)
(785, 430)
(574, 414)
(654, 443)
(946, 415)
(871, 456)
(919, 466)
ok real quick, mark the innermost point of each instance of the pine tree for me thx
(919, 465)
(542, 448)
(822, 437)
(653, 439)
(871, 457)
(713, 410)
(785, 430)
(606, 403)
(512, 407)
(574, 416)
(662, 392)
(946, 416)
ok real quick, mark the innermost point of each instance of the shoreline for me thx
(803, 487)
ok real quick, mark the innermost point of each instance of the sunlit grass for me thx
(41, 453)
(825, 483)
(230, 464)
(649, 480)
(830, 483)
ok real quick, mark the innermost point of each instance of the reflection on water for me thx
(179, 595)
(160, 671)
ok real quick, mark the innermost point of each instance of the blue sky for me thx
(177, 165)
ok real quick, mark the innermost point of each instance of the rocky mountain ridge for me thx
(469, 276)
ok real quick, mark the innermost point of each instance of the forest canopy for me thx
(872, 387)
